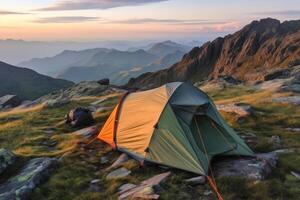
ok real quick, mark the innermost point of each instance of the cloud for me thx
(5, 12)
(167, 21)
(95, 4)
(282, 13)
(69, 19)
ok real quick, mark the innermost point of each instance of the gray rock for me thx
(49, 130)
(275, 140)
(26, 104)
(293, 129)
(207, 192)
(32, 174)
(296, 175)
(56, 103)
(82, 89)
(104, 160)
(95, 181)
(126, 187)
(119, 173)
(120, 161)
(240, 109)
(257, 168)
(196, 180)
(290, 100)
(10, 101)
(7, 158)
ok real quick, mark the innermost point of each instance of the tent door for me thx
(211, 137)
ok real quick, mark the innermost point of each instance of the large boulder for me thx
(253, 168)
(7, 158)
(10, 101)
(104, 81)
(79, 117)
(32, 174)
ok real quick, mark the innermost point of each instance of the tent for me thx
(176, 125)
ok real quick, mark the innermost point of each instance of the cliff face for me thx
(249, 54)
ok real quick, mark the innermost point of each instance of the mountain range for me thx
(26, 83)
(119, 66)
(248, 55)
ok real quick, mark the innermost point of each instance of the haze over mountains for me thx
(26, 83)
(120, 66)
(249, 54)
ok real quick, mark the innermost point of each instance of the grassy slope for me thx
(23, 133)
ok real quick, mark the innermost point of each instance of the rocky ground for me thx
(43, 158)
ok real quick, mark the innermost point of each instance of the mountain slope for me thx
(27, 83)
(167, 47)
(54, 65)
(122, 59)
(248, 55)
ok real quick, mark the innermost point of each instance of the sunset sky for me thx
(88, 20)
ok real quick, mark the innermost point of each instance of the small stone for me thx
(196, 180)
(119, 173)
(95, 181)
(240, 109)
(145, 191)
(104, 160)
(122, 159)
(275, 140)
(296, 175)
(293, 129)
(7, 158)
(127, 186)
(207, 192)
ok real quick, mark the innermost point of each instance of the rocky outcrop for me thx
(144, 190)
(83, 89)
(7, 158)
(254, 168)
(240, 109)
(33, 173)
(290, 100)
(248, 55)
(10, 101)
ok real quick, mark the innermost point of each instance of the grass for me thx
(23, 132)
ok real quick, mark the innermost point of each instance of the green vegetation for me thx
(24, 133)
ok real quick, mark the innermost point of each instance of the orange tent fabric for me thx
(107, 132)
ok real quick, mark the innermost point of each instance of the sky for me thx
(90, 20)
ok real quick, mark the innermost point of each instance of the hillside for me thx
(53, 66)
(167, 47)
(248, 55)
(27, 83)
(119, 66)
(82, 166)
